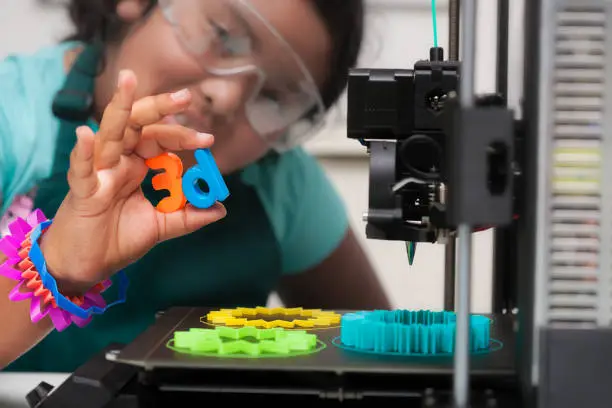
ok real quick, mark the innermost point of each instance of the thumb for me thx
(189, 219)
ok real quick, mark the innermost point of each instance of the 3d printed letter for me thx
(206, 170)
(169, 180)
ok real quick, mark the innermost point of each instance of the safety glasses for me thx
(230, 37)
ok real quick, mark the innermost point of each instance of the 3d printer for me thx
(443, 163)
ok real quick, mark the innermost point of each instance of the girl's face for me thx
(221, 84)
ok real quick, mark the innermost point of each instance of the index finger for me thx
(157, 139)
(151, 110)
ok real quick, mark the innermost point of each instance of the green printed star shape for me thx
(246, 341)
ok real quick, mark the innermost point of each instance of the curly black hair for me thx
(344, 20)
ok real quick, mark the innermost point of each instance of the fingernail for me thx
(181, 95)
(123, 74)
(220, 208)
(80, 131)
(204, 137)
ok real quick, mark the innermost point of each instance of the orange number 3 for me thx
(170, 179)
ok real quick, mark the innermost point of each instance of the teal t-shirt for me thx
(284, 217)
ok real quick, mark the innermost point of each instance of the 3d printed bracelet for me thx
(245, 342)
(404, 332)
(296, 317)
(49, 282)
(19, 267)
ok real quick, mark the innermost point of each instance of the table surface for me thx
(15, 386)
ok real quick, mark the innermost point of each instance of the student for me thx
(139, 78)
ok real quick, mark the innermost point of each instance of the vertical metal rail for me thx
(461, 380)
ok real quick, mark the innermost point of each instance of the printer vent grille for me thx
(579, 286)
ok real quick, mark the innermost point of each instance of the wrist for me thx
(67, 284)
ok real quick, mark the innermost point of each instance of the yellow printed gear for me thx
(244, 317)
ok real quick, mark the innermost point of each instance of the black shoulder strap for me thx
(74, 102)
(73, 106)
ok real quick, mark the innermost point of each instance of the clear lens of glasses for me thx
(230, 37)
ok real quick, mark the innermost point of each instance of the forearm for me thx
(19, 334)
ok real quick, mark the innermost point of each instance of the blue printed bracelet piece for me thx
(409, 333)
(50, 284)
